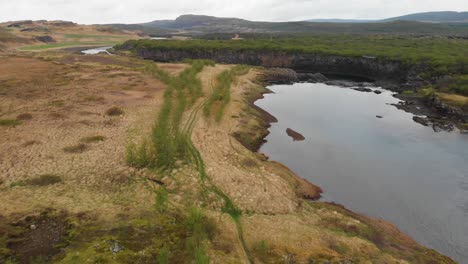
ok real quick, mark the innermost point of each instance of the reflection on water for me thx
(390, 167)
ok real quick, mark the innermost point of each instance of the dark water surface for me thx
(390, 168)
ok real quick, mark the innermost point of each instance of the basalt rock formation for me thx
(383, 70)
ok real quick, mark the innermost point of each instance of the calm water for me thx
(95, 51)
(390, 168)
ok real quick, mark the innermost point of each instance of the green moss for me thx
(169, 237)
(9, 122)
(92, 139)
(408, 92)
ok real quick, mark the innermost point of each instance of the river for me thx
(390, 168)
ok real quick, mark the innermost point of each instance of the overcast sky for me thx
(135, 11)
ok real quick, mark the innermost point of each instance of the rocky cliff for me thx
(360, 66)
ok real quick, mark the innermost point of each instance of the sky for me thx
(137, 11)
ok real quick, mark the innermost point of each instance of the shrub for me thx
(76, 148)
(114, 111)
(92, 139)
(25, 116)
(44, 180)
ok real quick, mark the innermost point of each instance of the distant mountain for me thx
(218, 27)
(339, 20)
(434, 17)
(431, 17)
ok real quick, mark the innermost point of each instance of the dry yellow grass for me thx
(454, 99)
(95, 187)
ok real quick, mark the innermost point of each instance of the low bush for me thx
(114, 111)
(92, 139)
(44, 180)
(76, 148)
(25, 116)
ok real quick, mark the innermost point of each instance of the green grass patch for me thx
(80, 36)
(457, 84)
(167, 142)
(427, 92)
(9, 122)
(408, 92)
(66, 45)
(93, 139)
(221, 95)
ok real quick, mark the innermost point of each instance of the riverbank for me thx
(407, 72)
(102, 208)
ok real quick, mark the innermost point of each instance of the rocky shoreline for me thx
(287, 67)
(428, 111)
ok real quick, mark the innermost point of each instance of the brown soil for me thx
(37, 237)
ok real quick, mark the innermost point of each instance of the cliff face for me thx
(366, 67)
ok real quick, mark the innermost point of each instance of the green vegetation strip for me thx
(67, 45)
(222, 94)
(446, 55)
(170, 143)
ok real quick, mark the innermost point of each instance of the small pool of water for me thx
(390, 167)
(95, 51)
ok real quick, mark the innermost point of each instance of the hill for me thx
(434, 17)
(201, 25)
(430, 17)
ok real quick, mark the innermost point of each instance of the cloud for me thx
(135, 11)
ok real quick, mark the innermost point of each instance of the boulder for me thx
(421, 120)
(281, 75)
(312, 77)
(363, 89)
(295, 135)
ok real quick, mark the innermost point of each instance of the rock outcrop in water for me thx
(296, 136)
